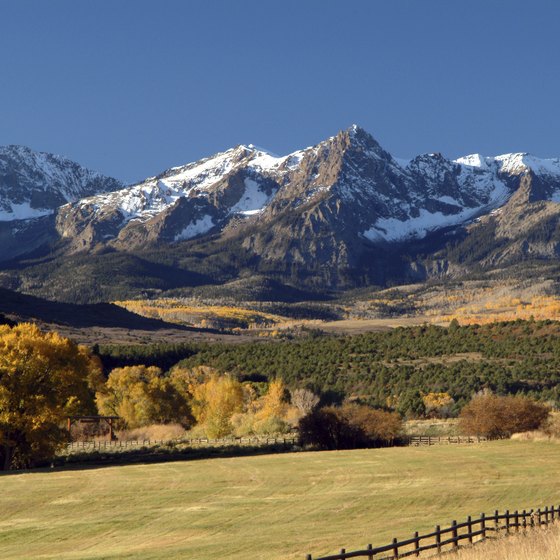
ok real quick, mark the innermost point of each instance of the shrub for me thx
(494, 416)
(350, 426)
(324, 428)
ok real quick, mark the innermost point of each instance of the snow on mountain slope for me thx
(35, 184)
(513, 164)
(149, 198)
(453, 193)
(482, 179)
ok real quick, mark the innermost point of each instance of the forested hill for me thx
(393, 367)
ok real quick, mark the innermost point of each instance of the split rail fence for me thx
(289, 439)
(449, 538)
(444, 440)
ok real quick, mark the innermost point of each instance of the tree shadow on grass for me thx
(99, 460)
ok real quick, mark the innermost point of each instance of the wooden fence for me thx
(449, 538)
(288, 439)
(444, 440)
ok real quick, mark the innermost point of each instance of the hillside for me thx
(22, 307)
(392, 368)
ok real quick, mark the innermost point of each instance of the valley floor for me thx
(273, 507)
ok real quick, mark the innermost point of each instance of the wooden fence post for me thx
(496, 521)
(507, 521)
(395, 548)
(416, 544)
(370, 555)
(309, 557)
(469, 528)
(524, 519)
(455, 534)
(483, 524)
(438, 538)
(516, 521)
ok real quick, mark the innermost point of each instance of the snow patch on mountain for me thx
(392, 229)
(141, 201)
(22, 211)
(201, 174)
(485, 186)
(513, 164)
(253, 200)
(197, 227)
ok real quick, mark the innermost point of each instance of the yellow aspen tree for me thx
(43, 379)
(215, 402)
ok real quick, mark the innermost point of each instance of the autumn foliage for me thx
(494, 416)
(142, 395)
(43, 379)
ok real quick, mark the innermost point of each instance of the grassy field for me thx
(273, 507)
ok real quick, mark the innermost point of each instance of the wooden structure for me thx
(95, 420)
(449, 538)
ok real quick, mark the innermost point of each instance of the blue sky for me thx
(131, 87)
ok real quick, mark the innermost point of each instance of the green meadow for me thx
(270, 507)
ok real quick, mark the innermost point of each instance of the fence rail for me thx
(470, 529)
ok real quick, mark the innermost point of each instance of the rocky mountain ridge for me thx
(342, 213)
(390, 199)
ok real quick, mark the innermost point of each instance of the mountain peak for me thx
(357, 132)
(34, 184)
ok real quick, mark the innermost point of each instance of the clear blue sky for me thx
(131, 87)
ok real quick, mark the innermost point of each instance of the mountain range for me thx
(342, 214)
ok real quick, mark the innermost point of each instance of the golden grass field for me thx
(543, 544)
(272, 506)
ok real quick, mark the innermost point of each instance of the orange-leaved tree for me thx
(43, 378)
(494, 416)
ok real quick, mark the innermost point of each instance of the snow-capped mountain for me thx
(35, 184)
(343, 212)
(378, 197)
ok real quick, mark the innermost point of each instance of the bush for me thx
(493, 416)
(349, 427)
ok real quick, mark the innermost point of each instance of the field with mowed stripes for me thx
(272, 506)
